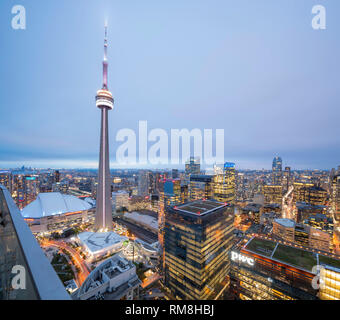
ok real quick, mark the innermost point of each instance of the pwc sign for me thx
(235, 256)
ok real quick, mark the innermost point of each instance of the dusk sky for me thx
(255, 68)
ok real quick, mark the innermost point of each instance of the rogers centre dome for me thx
(56, 212)
(53, 203)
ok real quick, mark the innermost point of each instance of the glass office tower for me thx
(224, 183)
(197, 240)
(277, 171)
(200, 187)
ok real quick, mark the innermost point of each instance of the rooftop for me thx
(288, 223)
(200, 207)
(53, 203)
(96, 242)
(106, 272)
(299, 258)
(145, 219)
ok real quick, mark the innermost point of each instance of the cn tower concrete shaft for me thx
(104, 205)
(104, 102)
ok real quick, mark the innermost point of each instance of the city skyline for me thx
(217, 176)
(178, 66)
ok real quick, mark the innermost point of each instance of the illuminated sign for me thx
(235, 256)
(229, 165)
(31, 178)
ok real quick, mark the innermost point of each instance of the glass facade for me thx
(330, 283)
(196, 252)
(277, 171)
(224, 183)
(269, 279)
(336, 212)
(200, 187)
(272, 194)
(309, 193)
(11, 255)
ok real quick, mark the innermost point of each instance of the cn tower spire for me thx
(105, 102)
(105, 62)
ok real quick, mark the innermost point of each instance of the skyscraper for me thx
(143, 183)
(336, 211)
(104, 101)
(197, 239)
(224, 183)
(192, 166)
(277, 170)
(56, 176)
(170, 195)
(200, 186)
(286, 179)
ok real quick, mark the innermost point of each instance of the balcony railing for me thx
(25, 272)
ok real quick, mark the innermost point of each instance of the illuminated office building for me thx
(184, 193)
(57, 176)
(286, 179)
(267, 270)
(31, 188)
(174, 174)
(6, 179)
(305, 210)
(170, 195)
(25, 188)
(120, 200)
(272, 194)
(200, 187)
(197, 240)
(329, 282)
(62, 187)
(309, 193)
(224, 183)
(304, 235)
(321, 222)
(277, 171)
(336, 211)
(284, 229)
(192, 166)
(170, 192)
(144, 183)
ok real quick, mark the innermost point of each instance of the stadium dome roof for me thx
(53, 203)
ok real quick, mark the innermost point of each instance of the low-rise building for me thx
(98, 244)
(120, 200)
(113, 279)
(288, 230)
(145, 221)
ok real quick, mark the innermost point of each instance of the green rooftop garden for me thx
(296, 257)
(329, 261)
(261, 246)
(290, 255)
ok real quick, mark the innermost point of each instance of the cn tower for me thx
(104, 101)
